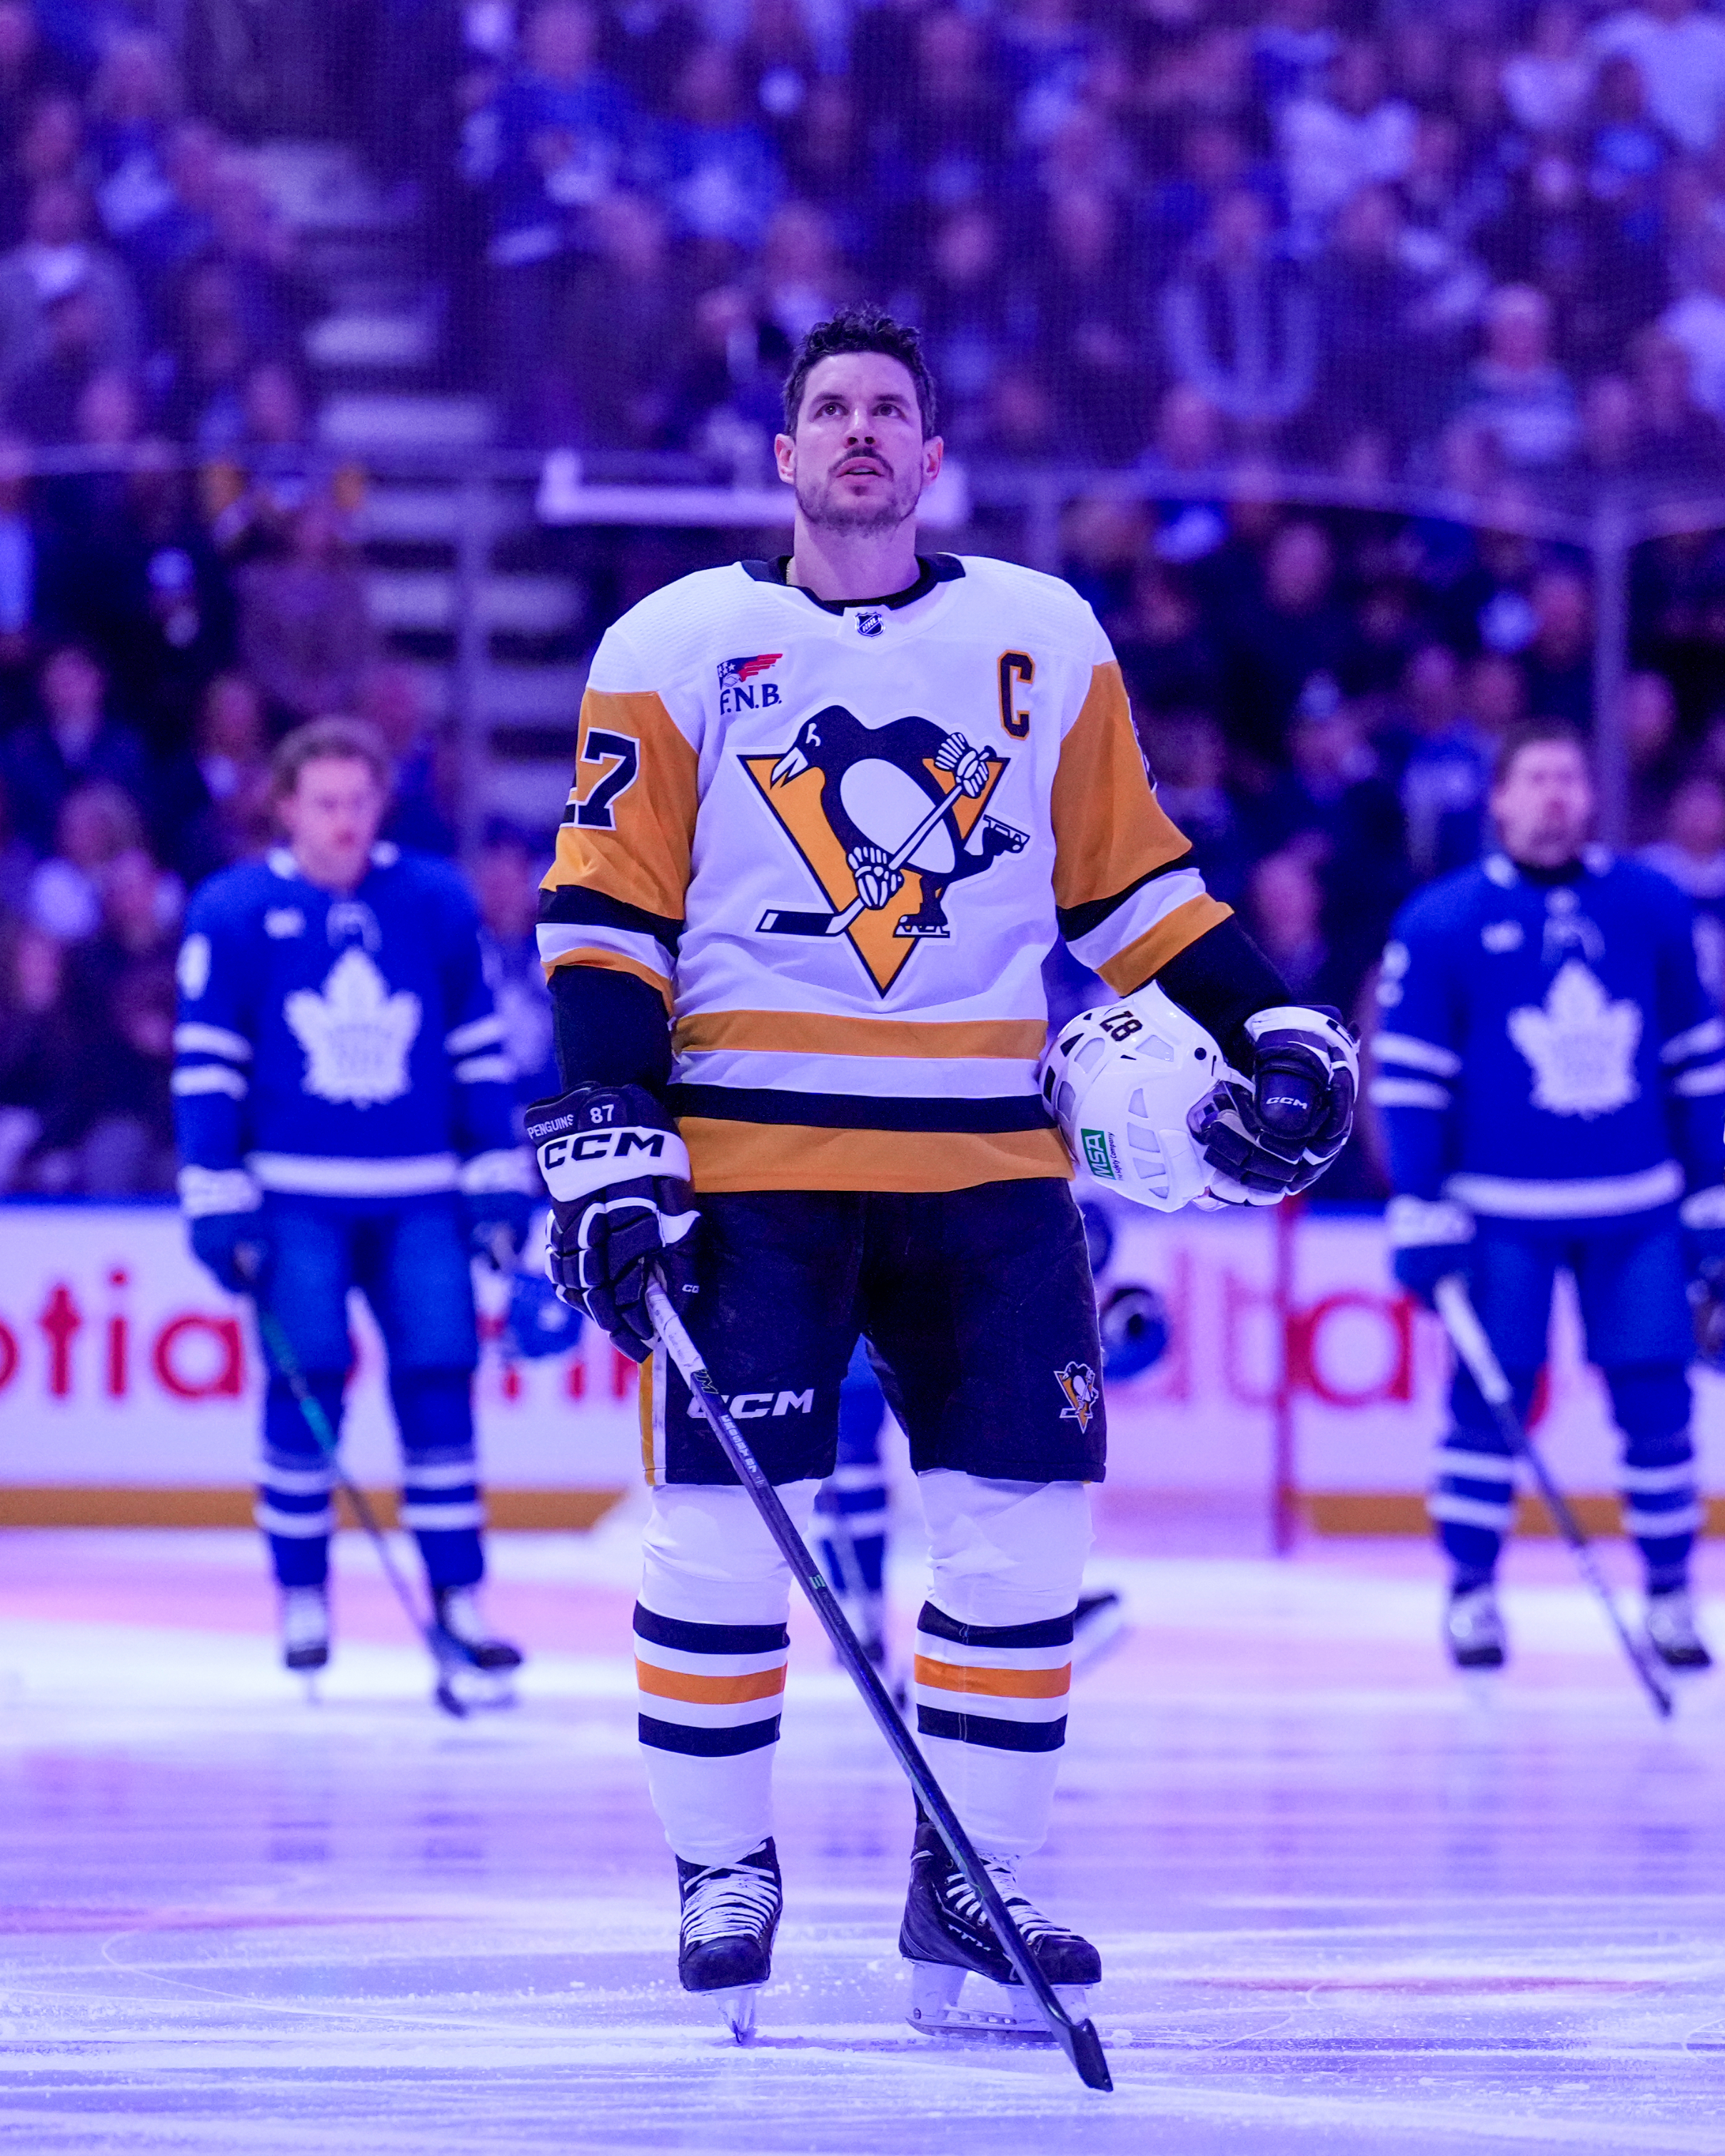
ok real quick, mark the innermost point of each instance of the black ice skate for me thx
(731, 1913)
(945, 1937)
(478, 1665)
(1473, 1630)
(1671, 1631)
(304, 1632)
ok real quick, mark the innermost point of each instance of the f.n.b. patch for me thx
(740, 686)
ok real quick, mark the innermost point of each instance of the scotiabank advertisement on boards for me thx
(123, 1365)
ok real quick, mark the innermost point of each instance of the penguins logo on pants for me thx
(886, 820)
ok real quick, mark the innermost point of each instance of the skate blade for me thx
(482, 1690)
(1002, 2013)
(737, 2009)
(308, 1683)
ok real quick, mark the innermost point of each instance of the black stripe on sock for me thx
(983, 1729)
(709, 1638)
(1050, 1632)
(707, 1743)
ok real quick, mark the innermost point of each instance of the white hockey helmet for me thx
(1119, 1081)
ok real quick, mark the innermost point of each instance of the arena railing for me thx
(1019, 511)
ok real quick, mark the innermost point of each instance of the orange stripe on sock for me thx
(999, 1684)
(708, 1691)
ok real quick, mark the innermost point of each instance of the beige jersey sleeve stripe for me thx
(641, 856)
(614, 962)
(808, 1033)
(1110, 830)
(1143, 961)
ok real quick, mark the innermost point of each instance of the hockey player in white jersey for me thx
(1550, 1072)
(346, 1120)
(830, 814)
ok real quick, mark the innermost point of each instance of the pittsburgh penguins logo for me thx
(886, 820)
(1083, 1394)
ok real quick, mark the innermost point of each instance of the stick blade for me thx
(1084, 2048)
(778, 920)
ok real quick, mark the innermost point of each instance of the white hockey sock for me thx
(710, 1648)
(994, 1647)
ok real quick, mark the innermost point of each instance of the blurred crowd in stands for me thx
(1477, 248)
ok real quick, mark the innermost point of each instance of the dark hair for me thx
(860, 329)
(1529, 734)
(333, 740)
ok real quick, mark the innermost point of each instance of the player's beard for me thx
(822, 511)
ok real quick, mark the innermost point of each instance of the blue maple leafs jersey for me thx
(1546, 1051)
(338, 1047)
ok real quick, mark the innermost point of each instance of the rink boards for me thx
(128, 1382)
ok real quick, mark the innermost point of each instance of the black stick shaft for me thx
(1461, 1321)
(1077, 2039)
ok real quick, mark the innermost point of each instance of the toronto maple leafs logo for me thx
(886, 820)
(355, 1034)
(1083, 1392)
(1580, 1045)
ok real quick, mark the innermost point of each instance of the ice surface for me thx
(1345, 1905)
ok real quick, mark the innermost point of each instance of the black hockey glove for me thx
(621, 1205)
(1266, 1140)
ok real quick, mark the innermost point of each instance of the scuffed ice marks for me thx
(1344, 1907)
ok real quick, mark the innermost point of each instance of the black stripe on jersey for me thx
(709, 1639)
(1048, 1632)
(858, 1111)
(577, 904)
(984, 1729)
(707, 1743)
(1077, 921)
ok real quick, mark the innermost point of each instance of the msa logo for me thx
(603, 1145)
(1099, 1155)
(739, 690)
(755, 1407)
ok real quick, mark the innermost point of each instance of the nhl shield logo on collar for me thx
(1084, 1396)
(871, 622)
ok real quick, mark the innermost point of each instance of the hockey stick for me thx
(317, 1422)
(777, 921)
(1461, 1321)
(1078, 2039)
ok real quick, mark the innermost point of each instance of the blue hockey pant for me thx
(854, 1493)
(409, 1260)
(1629, 1281)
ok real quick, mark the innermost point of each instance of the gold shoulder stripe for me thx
(1110, 830)
(1143, 961)
(638, 852)
(808, 1033)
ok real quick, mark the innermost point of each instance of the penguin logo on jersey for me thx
(1083, 1394)
(885, 818)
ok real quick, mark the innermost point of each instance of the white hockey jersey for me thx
(840, 840)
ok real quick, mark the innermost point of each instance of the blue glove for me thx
(1430, 1239)
(218, 1240)
(622, 1207)
(497, 1224)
